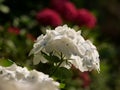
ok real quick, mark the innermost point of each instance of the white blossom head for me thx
(79, 52)
(18, 78)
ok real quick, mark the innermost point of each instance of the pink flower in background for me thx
(69, 11)
(57, 5)
(49, 17)
(86, 79)
(14, 30)
(85, 18)
(65, 8)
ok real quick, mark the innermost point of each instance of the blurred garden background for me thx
(22, 21)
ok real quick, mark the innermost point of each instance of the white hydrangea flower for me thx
(18, 78)
(71, 44)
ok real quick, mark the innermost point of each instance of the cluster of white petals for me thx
(18, 78)
(79, 52)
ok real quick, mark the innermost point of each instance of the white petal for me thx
(71, 44)
(37, 58)
(30, 80)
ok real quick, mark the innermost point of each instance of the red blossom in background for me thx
(69, 11)
(49, 17)
(85, 18)
(86, 79)
(14, 30)
(30, 36)
(65, 8)
(57, 5)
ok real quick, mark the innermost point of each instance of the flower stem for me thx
(56, 67)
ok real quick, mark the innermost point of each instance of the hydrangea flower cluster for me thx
(76, 50)
(18, 78)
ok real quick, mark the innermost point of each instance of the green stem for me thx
(56, 68)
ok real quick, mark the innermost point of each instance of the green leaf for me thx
(55, 59)
(51, 58)
(62, 85)
(6, 62)
(45, 55)
(63, 73)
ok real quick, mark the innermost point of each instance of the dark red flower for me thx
(65, 8)
(69, 11)
(85, 18)
(30, 36)
(58, 5)
(86, 79)
(14, 30)
(49, 17)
